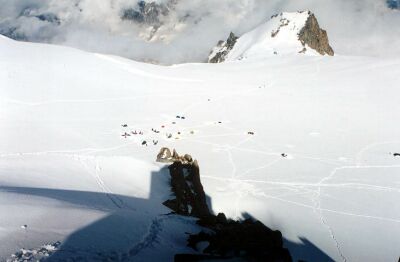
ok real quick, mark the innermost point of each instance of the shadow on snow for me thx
(115, 236)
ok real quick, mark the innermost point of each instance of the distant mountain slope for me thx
(176, 31)
(286, 33)
(305, 144)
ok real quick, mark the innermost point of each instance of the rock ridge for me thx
(247, 240)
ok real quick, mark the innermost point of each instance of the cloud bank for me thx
(191, 28)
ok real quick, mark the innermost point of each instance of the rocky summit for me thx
(283, 34)
(314, 37)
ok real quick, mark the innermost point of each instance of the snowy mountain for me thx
(286, 33)
(171, 31)
(307, 144)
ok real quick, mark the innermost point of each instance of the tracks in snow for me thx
(310, 188)
(318, 211)
(315, 189)
(148, 239)
(117, 201)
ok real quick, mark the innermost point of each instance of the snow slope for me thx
(278, 36)
(68, 174)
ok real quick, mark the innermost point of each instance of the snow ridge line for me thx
(133, 70)
(99, 100)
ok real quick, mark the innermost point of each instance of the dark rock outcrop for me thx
(13, 33)
(315, 37)
(219, 53)
(309, 36)
(247, 240)
(50, 18)
(149, 13)
(165, 156)
(284, 22)
(190, 198)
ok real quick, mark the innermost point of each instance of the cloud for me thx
(193, 27)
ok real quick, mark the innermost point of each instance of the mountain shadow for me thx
(136, 226)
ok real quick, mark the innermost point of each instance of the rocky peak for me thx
(190, 198)
(219, 53)
(313, 36)
(144, 12)
(283, 34)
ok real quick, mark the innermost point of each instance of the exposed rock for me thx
(219, 53)
(248, 240)
(50, 18)
(175, 155)
(284, 22)
(148, 13)
(164, 156)
(315, 37)
(36, 254)
(284, 34)
(190, 198)
(188, 158)
(13, 33)
(45, 17)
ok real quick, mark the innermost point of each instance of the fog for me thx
(192, 28)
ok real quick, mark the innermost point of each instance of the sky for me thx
(192, 28)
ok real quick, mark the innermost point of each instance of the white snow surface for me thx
(278, 36)
(68, 174)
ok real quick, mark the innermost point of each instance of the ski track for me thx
(330, 210)
(366, 148)
(87, 158)
(148, 239)
(297, 188)
(110, 195)
(318, 210)
(71, 152)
